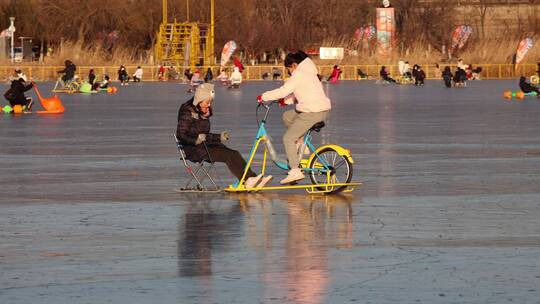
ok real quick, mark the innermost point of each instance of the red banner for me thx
(386, 31)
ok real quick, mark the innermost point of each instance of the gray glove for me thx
(200, 139)
(225, 136)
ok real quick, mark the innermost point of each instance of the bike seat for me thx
(318, 126)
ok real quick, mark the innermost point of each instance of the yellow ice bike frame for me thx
(70, 86)
(329, 167)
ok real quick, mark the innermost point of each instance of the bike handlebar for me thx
(264, 105)
(268, 104)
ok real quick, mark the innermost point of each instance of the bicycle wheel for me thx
(341, 170)
(74, 87)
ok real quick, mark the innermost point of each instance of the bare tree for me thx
(482, 9)
(257, 25)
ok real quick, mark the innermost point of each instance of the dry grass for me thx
(96, 56)
(493, 51)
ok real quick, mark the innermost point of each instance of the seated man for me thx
(104, 84)
(137, 77)
(196, 78)
(407, 70)
(173, 74)
(460, 78)
(15, 94)
(419, 75)
(236, 77)
(195, 81)
(68, 71)
(527, 87)
(361, 74)
(223, 78)
(385, 76)
(475, 72)
(193, 132)
(276, 74)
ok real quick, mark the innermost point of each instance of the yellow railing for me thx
(350, 72)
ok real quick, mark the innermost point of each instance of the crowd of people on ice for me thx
(417, 75)
(405, 75)
(303, 89)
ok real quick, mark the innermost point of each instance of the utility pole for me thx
(187, 10)
(164, 7)
(212, 24)
(12, 32)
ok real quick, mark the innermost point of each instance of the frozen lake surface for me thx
(449, 211)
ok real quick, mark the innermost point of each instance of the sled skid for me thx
(50, 112)
(317, 188)
(196, 190)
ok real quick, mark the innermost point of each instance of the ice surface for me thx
(448, 212)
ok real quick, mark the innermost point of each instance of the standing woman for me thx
(91, 77)
(447, 77)
(137, 76)
(209, 75)
(123, 76)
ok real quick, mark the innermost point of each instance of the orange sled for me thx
(52, 105)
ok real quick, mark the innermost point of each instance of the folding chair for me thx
(200, 174)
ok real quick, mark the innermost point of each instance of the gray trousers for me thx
(297, 125)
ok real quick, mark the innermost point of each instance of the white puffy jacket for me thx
(236, 76)
(304, 86)
(138, 73)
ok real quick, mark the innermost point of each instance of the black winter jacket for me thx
(69, 71)
(191, 123)
(447, 75)
(525, 86)
(15, 95)
(122, 75)
(91, 78)
(419, 75)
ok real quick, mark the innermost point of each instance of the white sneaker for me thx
(293, 176)
(264, 181)
(252, 181)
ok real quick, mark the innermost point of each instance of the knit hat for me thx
(203, 92)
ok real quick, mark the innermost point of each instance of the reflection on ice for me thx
(292, 234)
